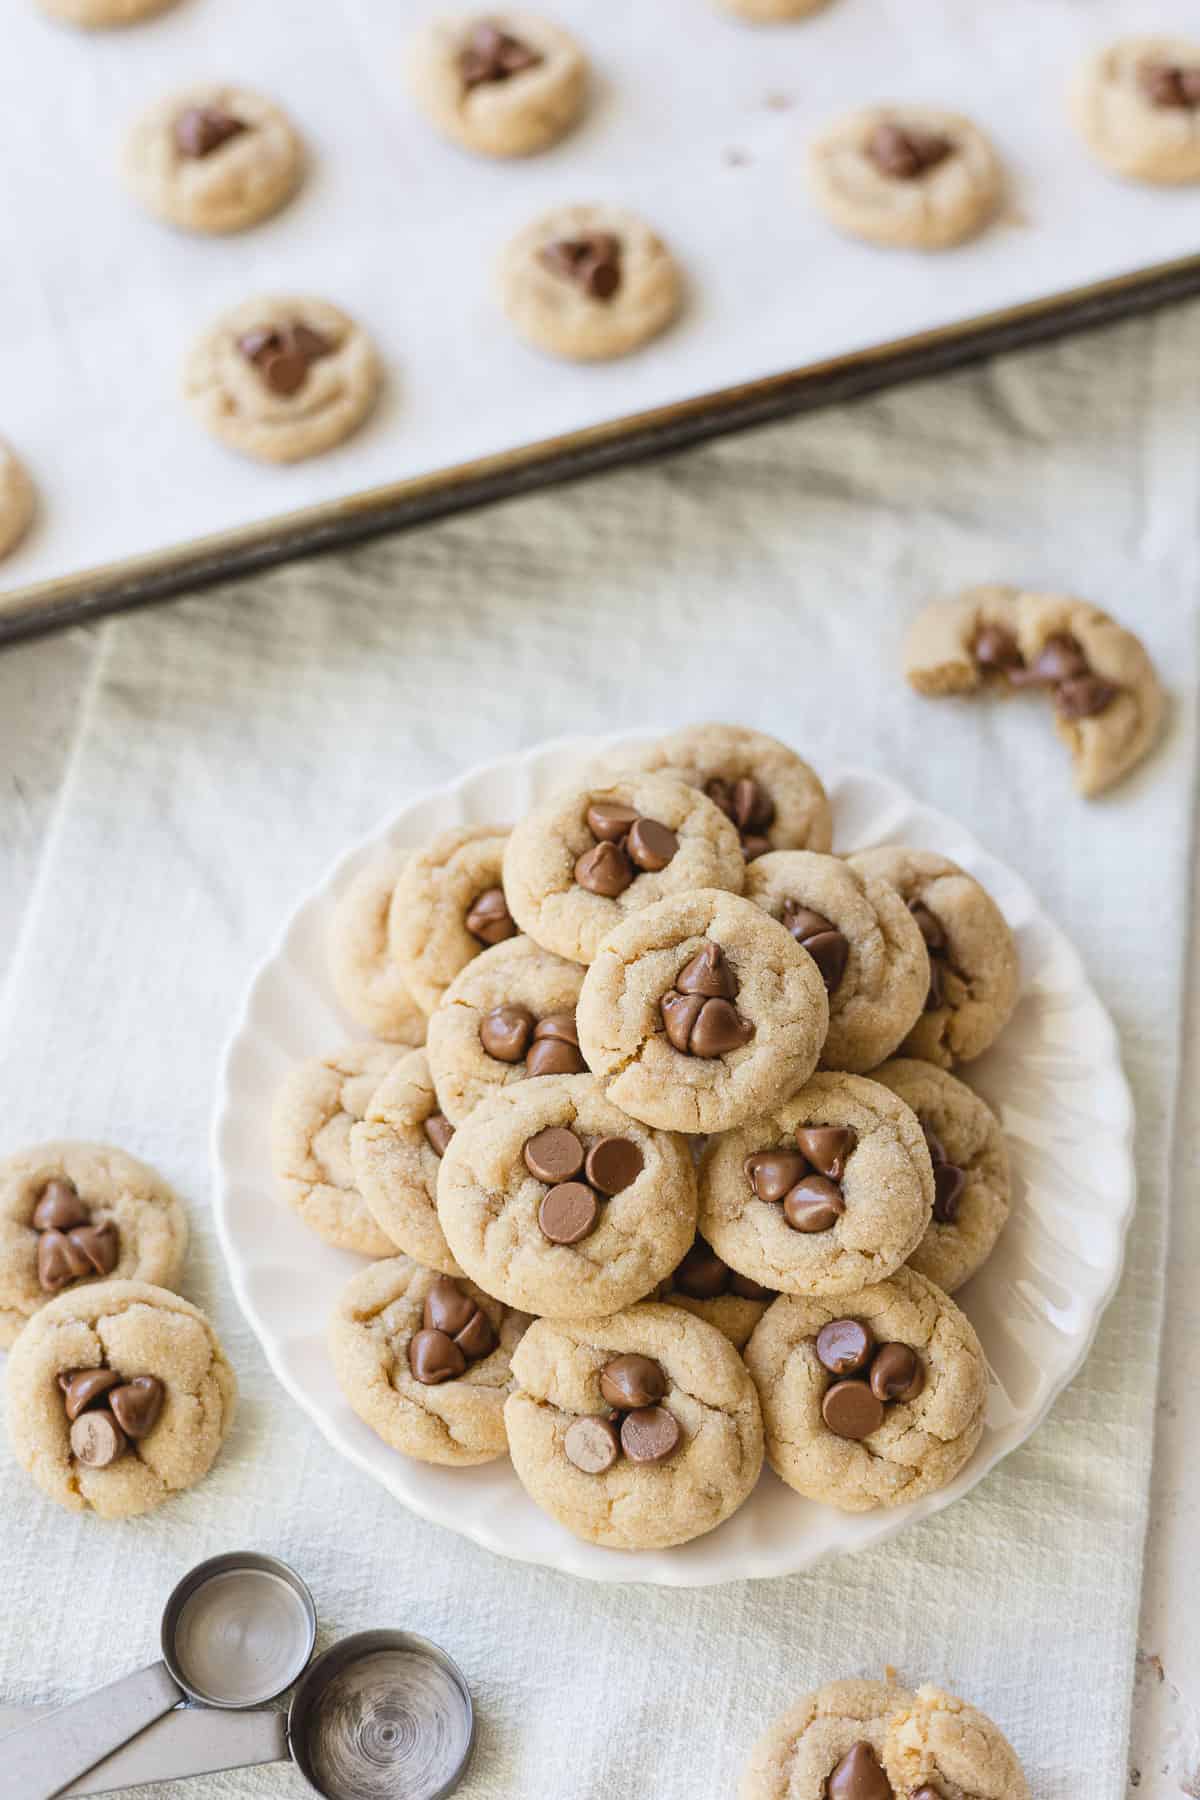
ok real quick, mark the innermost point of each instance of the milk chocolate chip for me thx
(773, 1173)
(438, 1132)
(433, 1358)
(592, 1444)
(136, 1405)
(701, 1275)
(747, 804)
(996, 650)
(555, 1047)
(851, 1410)
(649, 1435)
(698, 1014)
(200, 130)
(455, 1331)
(555, 1154)
(906, 152)
(814, 1204)
(488, 919)
(506, 1031)
(828, 947)
(827, 1147)
(59, 1206)
(96, 1439)
(845, 1346)
(490, 54)
(896, 1373)
(633, 1381)
(948, 1179)
(605, 870)
(609, 822)
(1169, 84)
(568, 1213)
(651, 845)
(859, 1777)
(613, 1164)
(592, 262)
(63, 1257)
(284, 354)
(84, 1387)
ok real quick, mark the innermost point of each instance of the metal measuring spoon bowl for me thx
(238, 1630)
(379, 1714)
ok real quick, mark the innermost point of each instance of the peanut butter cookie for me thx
(368, 983)
(1136, 104)
(589, 282)
(500, 84)
(828, 1746)
(213, 158)
(911, 177)
(17, 499)
(937, 1744)
(709, 1289)
(315, 1110)
(396, 1152)
(448, 906)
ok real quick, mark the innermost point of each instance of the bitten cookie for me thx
(501, 84)
(701, 1012)
(119, 1395)
(936, 1744)
(1136, 104)
(906, 176)
(282, 377)
(213, 158)
(871, 1399)
(710, 1290)
(94, 15)
(425, 1361)
(1108, 704)
(828, 1746)
(772, 795)
(970, 1170)
(448, 906)
(507, 1017)
(863, 939)
(73, 1214)
(396, 1153)
(557, 1203)
(637, 1431)
(589, 282)
(586, 859)
(368, 983)
(827, 1193)
(974, 974)
(315, 1110)
(17, 499)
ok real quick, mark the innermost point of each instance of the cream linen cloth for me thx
(223, 750)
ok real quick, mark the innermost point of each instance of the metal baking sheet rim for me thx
(139, 581)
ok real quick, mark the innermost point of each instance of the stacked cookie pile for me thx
(657, 1147)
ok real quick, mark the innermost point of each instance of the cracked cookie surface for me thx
(135, 1329)
(368, 982)
(631, 1505)
(799, 1751)
(880, 992)
(433, 899)
(898, 198)
(396, 1162)
(921, 1445)
(500, 84)
(938, 1742)
(114, 1189)
(315, 1110)
(489, 1203)
(456, 1422)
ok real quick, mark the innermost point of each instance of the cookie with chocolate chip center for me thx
(448, 907)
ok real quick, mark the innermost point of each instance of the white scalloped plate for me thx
(1054, 1077)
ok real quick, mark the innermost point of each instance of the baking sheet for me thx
(697, 120)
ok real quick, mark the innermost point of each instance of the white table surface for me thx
(45, 688)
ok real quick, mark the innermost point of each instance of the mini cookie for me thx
(73, 1214)
(637, 1431)
(213, 158)
(710, 1290)
(501, 84)
(974, 976)
(589, 283)
(586, 859)
(509, 1015)
(1108, 704)
(94, 15)
(829, 1192)
(17, 499)
(1136, 104)
(970, 1170)
(557, 1203)
(119, 1396)
(424, 1360)
(447, 907)
(863, 939)
(701, 1012)
(907, 176)
(828, 1746)
(871, 1399)
(282, 377)
(368, 983)
(396, 1153)
(315, 1111)
(773, 797)
(770, 12)
(936, 1744)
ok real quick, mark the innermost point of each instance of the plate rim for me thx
(568, 1559)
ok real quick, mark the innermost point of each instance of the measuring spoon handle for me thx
(40, 1760)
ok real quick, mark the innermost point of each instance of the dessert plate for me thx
(1054, 1077)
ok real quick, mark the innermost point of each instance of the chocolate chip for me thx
(489, 919)
(200, 130)
(827, 1147)
(851, 1410)
(701, 1275)
(592, 1444)
(948, 1184)
(814, 1204)
(651, 845)
(84, 1387)
(772, 1173)
(438, 1132)
(59, 1206)
(477, 1337)
(136, 1405)
(1084, 696)
(282, 354)
(995, 648)
(1060, 658)
(708, 973)
(859, 1777)
(568, 1213)
(1169, 84)
(490, 54)
(609, 821)
(828, 947)
(96, 1439)
(95, 1248)
(633, 1381)
(433, 1358)
(719, 1029)
(554, 1155)
(613, 1164)
(697, 1014)
(649, 1435)
(559, 1025)
(592, 262)
(555, 1048)
(746, 1289)
(928, 925)
(55, 1265)
(937, 1153)
(897, 1373)
(505, 1032)
(937, 985)
(747, 804)
(679, 1015)
(447, 1308)
(905, 152)
(845, 1346)
(605, 869)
